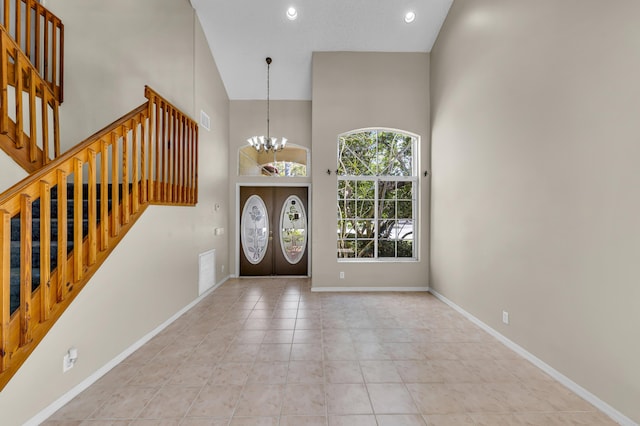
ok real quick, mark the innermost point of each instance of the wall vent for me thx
(207, 268)
(205, 121)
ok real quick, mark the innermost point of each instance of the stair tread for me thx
(54, 221)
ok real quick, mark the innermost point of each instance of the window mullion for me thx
(375, 217)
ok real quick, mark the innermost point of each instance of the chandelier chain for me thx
(268, 144)
(268, 99)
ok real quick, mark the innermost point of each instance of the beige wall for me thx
(290, 119)
(535, 181)
(10, 172)
(112, 50)
(352, 91)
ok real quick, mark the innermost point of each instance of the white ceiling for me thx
(242, 33)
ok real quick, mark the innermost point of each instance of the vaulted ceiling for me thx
(242, 33)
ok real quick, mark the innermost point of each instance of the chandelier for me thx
(267, 143)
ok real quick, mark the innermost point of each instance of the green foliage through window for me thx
(377, 193)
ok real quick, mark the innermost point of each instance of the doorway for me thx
(273, 230)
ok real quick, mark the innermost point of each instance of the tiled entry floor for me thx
(270, 352)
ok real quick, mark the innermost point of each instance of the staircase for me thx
(53, 238)
(58, 225)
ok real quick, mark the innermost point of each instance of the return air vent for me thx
(205, 121)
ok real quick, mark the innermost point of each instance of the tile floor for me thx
(271, 352)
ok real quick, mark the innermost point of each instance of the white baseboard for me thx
(76, 390)
(615, 415)
(360, 289)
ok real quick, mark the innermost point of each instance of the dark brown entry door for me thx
(273, 230)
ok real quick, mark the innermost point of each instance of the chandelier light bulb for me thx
(292, 14)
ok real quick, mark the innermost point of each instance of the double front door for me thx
(273, 230)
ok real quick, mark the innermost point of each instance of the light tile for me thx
(380, 372)
(400, 420)
(305, 372)
(260, 400)
(215, 401)
(254, 421)
(304, 399)
(269, 373)
(347, 399)
(352, 420)
(303, 421)
(171, 402)
(230, 373)
(343, 372)
(125, 403)
(391, 398)
(272, 352)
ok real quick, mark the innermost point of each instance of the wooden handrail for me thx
(149, 156)
(40, 35)
(27, 134)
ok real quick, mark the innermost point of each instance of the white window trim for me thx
(414, 178)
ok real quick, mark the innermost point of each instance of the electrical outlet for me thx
(341, 275)
(505, 317)
(223, 268)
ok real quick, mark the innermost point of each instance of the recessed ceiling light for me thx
(409, 17)
(292, 14)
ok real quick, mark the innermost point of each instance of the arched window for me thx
(291, 161)
(377, 195)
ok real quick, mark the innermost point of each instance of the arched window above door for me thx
(292, 161)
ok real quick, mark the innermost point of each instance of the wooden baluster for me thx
(4, 82)
(115, 203)
(125, 175)
(27, 29)
(92, 215)
(193, 162)
(38, 45)
(61, 65)
(45, 126)
(45, 250)
(25, 269)
(45, 48)
(189, 154)
(32, 116)
(158, 141)
(104, 197)
(5, 285)
(180, 159)
(185, 160)
(144, 193)
(54, 55)
(175, 147)
(163, 160)
(189, 160)
(177, 157)
(195, 176)
(135, 194)
(19, 89)
(62, 236)
(168, 147)
(171, 143)
(77, 220)
(56, 129)
(7, 16)
(18, 14)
